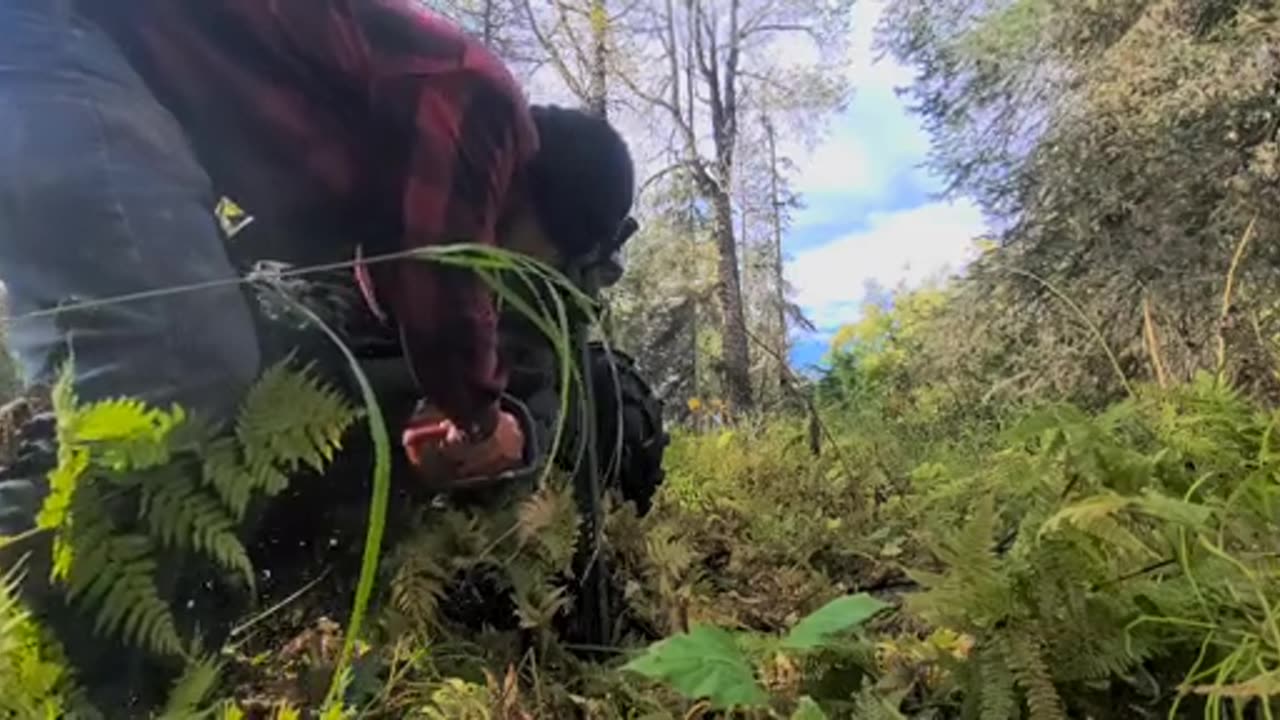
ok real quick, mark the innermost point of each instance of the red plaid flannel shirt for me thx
(370, 118)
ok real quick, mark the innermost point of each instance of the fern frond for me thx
(417, 588)
(469, 534)
(131, 604)
(120, 453)
(536, 513)
(80, 548)
(969, 678)
(222, 470)
(11, 612)
(113, 574)
(868, 705)
(181, 514)
(1096, 517)
(124, 433)
(532, 586)
(662, 549)
(35, 680)
(418, 583)
(1086, 512)
(550, 517)
(1079, 624)
(192, 689)
(1026, 656)
(63, 480)
(996, 692)
(974, 592)
(972, 551)
(538, 604)
(291, 418)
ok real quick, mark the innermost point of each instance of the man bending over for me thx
(150, 144)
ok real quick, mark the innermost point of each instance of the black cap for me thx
(582, 179)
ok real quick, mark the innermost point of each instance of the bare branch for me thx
(779, 27)
(575, 42)
(553, 53)
(655, 177)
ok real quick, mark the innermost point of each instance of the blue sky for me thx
(870, 218)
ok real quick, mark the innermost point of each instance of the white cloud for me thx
(906, 248)
(876, 135)
(863, 68)
(874, 139)
(861, 164)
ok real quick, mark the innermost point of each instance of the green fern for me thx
(290, 419)
(1082, 625)
(547, 525)
(124, 434)
(868, 705)
(223, 472)
(537, 601)
(34, 677)
(997, 696)
(1069, 577)
(1033, 676)
(975, 592)
(188, 487)
(180, 514)
(529, 540)
(418, 582)
(192, 690)
(113, 574)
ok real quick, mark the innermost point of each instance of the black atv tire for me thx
(630, 459)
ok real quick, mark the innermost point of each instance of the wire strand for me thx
(250, 277)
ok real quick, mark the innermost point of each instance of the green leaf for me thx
(705, 663)
(1163, 507)
(808, 710)
(192, 689)
(837, 616)
(377, 507)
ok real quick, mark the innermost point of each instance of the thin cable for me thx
(252, 276)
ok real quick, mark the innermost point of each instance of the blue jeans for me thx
(101, 196)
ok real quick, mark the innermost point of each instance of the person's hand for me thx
(441, 450)
(502, 450)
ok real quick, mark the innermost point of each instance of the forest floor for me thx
(1048, 563)
(1056, 564)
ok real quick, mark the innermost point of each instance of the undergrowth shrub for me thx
(32, 671)
(1110, 565)
(525, 545)
(1129, 555)
(133, 482)
(1114, 564)
(754, 508)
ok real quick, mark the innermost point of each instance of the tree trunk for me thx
(737, 360)
(779, 279)
(691, 236)
(598, 83)
(486, 22)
